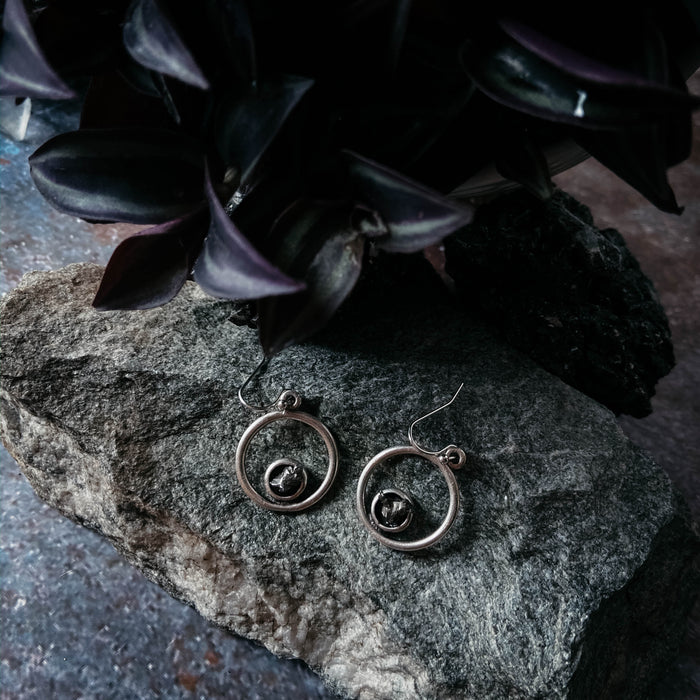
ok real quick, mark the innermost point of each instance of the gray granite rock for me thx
(568, 572)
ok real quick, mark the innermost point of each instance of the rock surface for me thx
(570, 296)
(567, 573)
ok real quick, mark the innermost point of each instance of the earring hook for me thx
(260, 368)
(287, 400)
(427, 415)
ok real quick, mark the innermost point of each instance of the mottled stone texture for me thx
(567, 573)
(570, 296)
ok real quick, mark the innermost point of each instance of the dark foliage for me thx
(270, 143)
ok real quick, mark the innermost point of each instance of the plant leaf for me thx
(638, 156)
(321, 243)
(247, 123)
(488, 182)
(414, 215)
(571, 61)
(25, 72)
(517, 78)
(232, 40)
(139, 176)
(230, 267)
(111, 102)
(149, 268)
(521, 159)
(153, 41)
(81, 38)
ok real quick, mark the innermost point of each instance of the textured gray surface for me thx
(127, 422)
(77, 620)
(567, 294)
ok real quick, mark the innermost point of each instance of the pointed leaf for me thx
(638, 156)
(81, 38)
(149, 268)
(248, 123)
(571, 61)
(520, 158)
(321, 242)
(517, 78)
(24, 70)
(415, 216)
(111, 102)
(230, 267)
(153, 41)
(559, 155)
(231, 37)
(139, 176)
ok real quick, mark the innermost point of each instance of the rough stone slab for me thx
(568, 571)
(568, 295)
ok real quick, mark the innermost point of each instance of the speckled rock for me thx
(570, 296)
(567, 573)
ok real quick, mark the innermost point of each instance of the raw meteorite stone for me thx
(566, 574)
(570, 296)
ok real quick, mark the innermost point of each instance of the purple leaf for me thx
(230, 267)
(513, 76)
(559, 155)
(80, 38)
(139, 176)
(638, 156)
(247, 123)
(415, 216)
(153, 41)
(520, 158)
(231, 37)
(111, 102)
(149, 269)
(323, 243)
(571, 61)
(25, 71)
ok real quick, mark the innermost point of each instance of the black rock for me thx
(570, 296)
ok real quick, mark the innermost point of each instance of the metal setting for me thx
(393, 498)
(447, 460)
(274, 479)
(286, 405)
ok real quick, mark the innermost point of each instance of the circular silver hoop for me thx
(253, 429)
(445, 470)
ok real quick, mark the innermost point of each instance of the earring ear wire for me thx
(391, 510)
(455, 455)
(285, 479)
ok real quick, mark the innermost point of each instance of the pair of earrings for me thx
(390, 511)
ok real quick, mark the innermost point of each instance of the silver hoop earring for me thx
(285, 479)
(391, 510)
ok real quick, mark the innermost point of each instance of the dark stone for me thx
(570, 296)
(393, 510)
(568, 572)
(287, 479)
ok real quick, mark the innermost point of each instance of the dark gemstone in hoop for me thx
(392, 510)
(285, 479)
